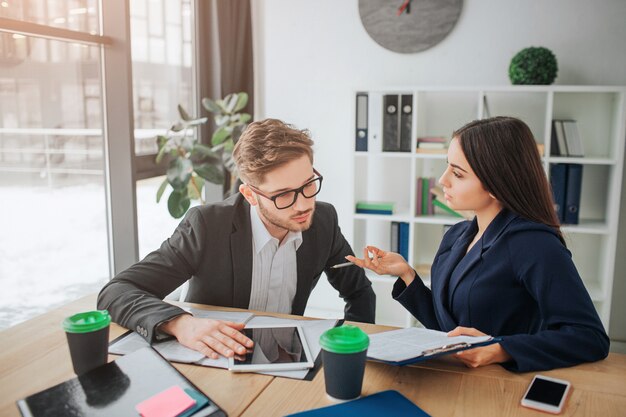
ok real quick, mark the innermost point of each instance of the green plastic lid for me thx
(89, 321)
(344, 339)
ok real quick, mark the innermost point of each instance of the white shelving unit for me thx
(391, 176)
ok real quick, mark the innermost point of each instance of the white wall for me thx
(313, 56)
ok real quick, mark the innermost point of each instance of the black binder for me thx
(406, 121)
(391, 123)
(397, 122)
(558, 181)
(572, 193)
(361, 122)
(113, 389)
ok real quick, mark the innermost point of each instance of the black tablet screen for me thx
(273, 345)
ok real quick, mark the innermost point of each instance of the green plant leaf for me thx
(196, 122)
(210, 105)
(187, 143)
(211, 173)
(237, 131)
(205, 153)
(221, 119)
(161, 141)
(183, 113)
(228, 146)
(194, 188)
(244, 118)
(160, 155)
(220, 136)
(231, 102)
(161, 190)
(177, 127)
(178, 203)
(179, 173)
(242, 100)
(222, 105)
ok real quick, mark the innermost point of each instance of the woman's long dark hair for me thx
(503, 153)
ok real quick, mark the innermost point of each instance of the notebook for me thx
(115, 389)
(383, 404)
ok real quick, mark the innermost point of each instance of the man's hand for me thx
(209, 337)
(480, 356)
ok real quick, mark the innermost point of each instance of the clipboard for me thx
(407, 342)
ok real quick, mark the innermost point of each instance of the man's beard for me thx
(290, 225)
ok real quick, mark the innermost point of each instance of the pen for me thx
(345, 264)
(341, 265)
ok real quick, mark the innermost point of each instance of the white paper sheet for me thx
(404, 344)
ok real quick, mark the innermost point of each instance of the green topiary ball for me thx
(534, 65)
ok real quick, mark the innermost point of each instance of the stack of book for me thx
(375, 207)
(423, 198)
(565, 139)
(432, 145)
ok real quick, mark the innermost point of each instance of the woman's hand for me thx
(480, 356)
(384, 263)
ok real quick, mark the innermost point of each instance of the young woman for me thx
(506, 273)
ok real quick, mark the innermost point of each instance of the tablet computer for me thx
(276, 348)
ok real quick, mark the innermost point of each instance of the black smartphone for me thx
(546, 394)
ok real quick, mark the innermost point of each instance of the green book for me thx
(425, 195)
(445, 208)
(375, 205)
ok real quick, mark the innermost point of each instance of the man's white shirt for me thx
(274, 268)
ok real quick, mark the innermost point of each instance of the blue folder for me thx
(572, 194)
(385, 403)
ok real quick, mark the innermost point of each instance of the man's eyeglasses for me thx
(288, 198)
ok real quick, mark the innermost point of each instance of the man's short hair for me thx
(268, 144)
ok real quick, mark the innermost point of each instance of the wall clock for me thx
(408, 26)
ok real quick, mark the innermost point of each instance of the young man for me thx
(263, 249)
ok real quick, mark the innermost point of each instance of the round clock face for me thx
(409, 26)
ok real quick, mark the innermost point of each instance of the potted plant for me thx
(534, 65)
(192, 163)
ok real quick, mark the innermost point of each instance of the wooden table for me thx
(34, 356)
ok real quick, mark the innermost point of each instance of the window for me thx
(161, 32)
(60, 233)
(53, 245)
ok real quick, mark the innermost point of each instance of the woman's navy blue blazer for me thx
(517, 282)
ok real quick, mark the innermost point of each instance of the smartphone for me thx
(546, 394)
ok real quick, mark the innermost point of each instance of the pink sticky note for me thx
(169, 403)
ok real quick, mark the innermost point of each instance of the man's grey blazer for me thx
(212, 248)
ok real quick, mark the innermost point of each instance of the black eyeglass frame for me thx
(296, 191)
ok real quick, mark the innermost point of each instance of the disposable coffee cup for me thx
(88, 339)
(344, 350)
